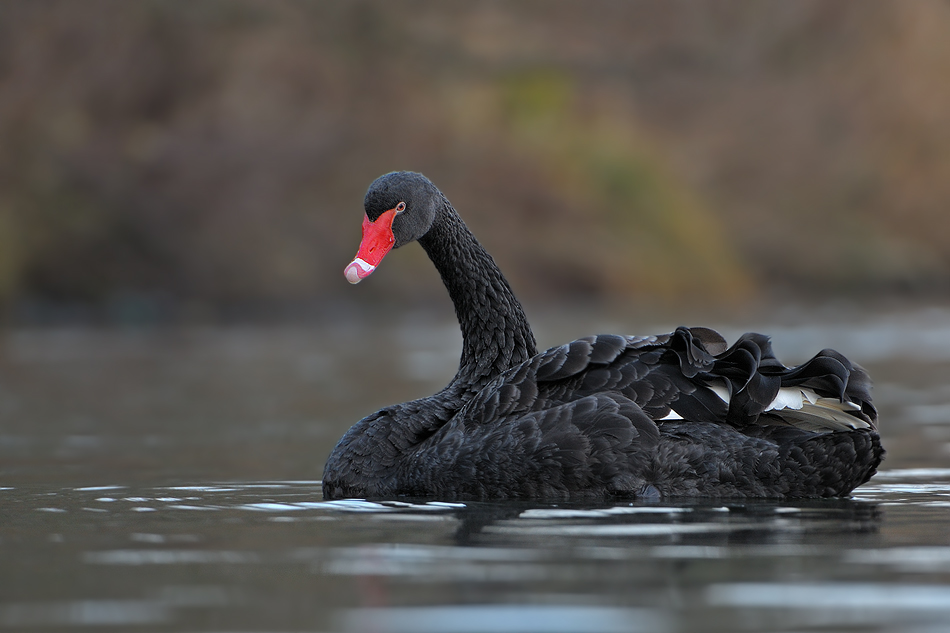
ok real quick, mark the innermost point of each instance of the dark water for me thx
(167, 481)
(273, 556)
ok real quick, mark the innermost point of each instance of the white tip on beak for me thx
(357, 270)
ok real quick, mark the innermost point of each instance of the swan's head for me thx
(400, 208)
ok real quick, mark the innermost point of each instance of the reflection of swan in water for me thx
(678, 414)
(745, 523)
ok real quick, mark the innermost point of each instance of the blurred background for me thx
(206, 161)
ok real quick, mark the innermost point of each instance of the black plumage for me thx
(680, 414)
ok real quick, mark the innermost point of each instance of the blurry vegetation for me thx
(183, 159)
(652, 236)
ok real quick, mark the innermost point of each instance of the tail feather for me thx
(826, 393)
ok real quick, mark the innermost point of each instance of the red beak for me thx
(378, 239)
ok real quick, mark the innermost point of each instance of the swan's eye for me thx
(400, 207)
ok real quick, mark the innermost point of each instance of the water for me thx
(274, 556)
(168, 481)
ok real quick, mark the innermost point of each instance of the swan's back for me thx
(677, 414)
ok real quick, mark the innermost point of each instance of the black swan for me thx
(678, 414)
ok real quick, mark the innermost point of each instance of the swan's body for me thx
(673, 415)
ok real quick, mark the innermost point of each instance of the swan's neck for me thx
(495, 331)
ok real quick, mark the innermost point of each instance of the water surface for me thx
(168, 481)
(274, 556)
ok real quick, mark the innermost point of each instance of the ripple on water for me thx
(85, 613)
(923, 559)
(914, 473)
(136, 557)
(825, 604)
(510, 618)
